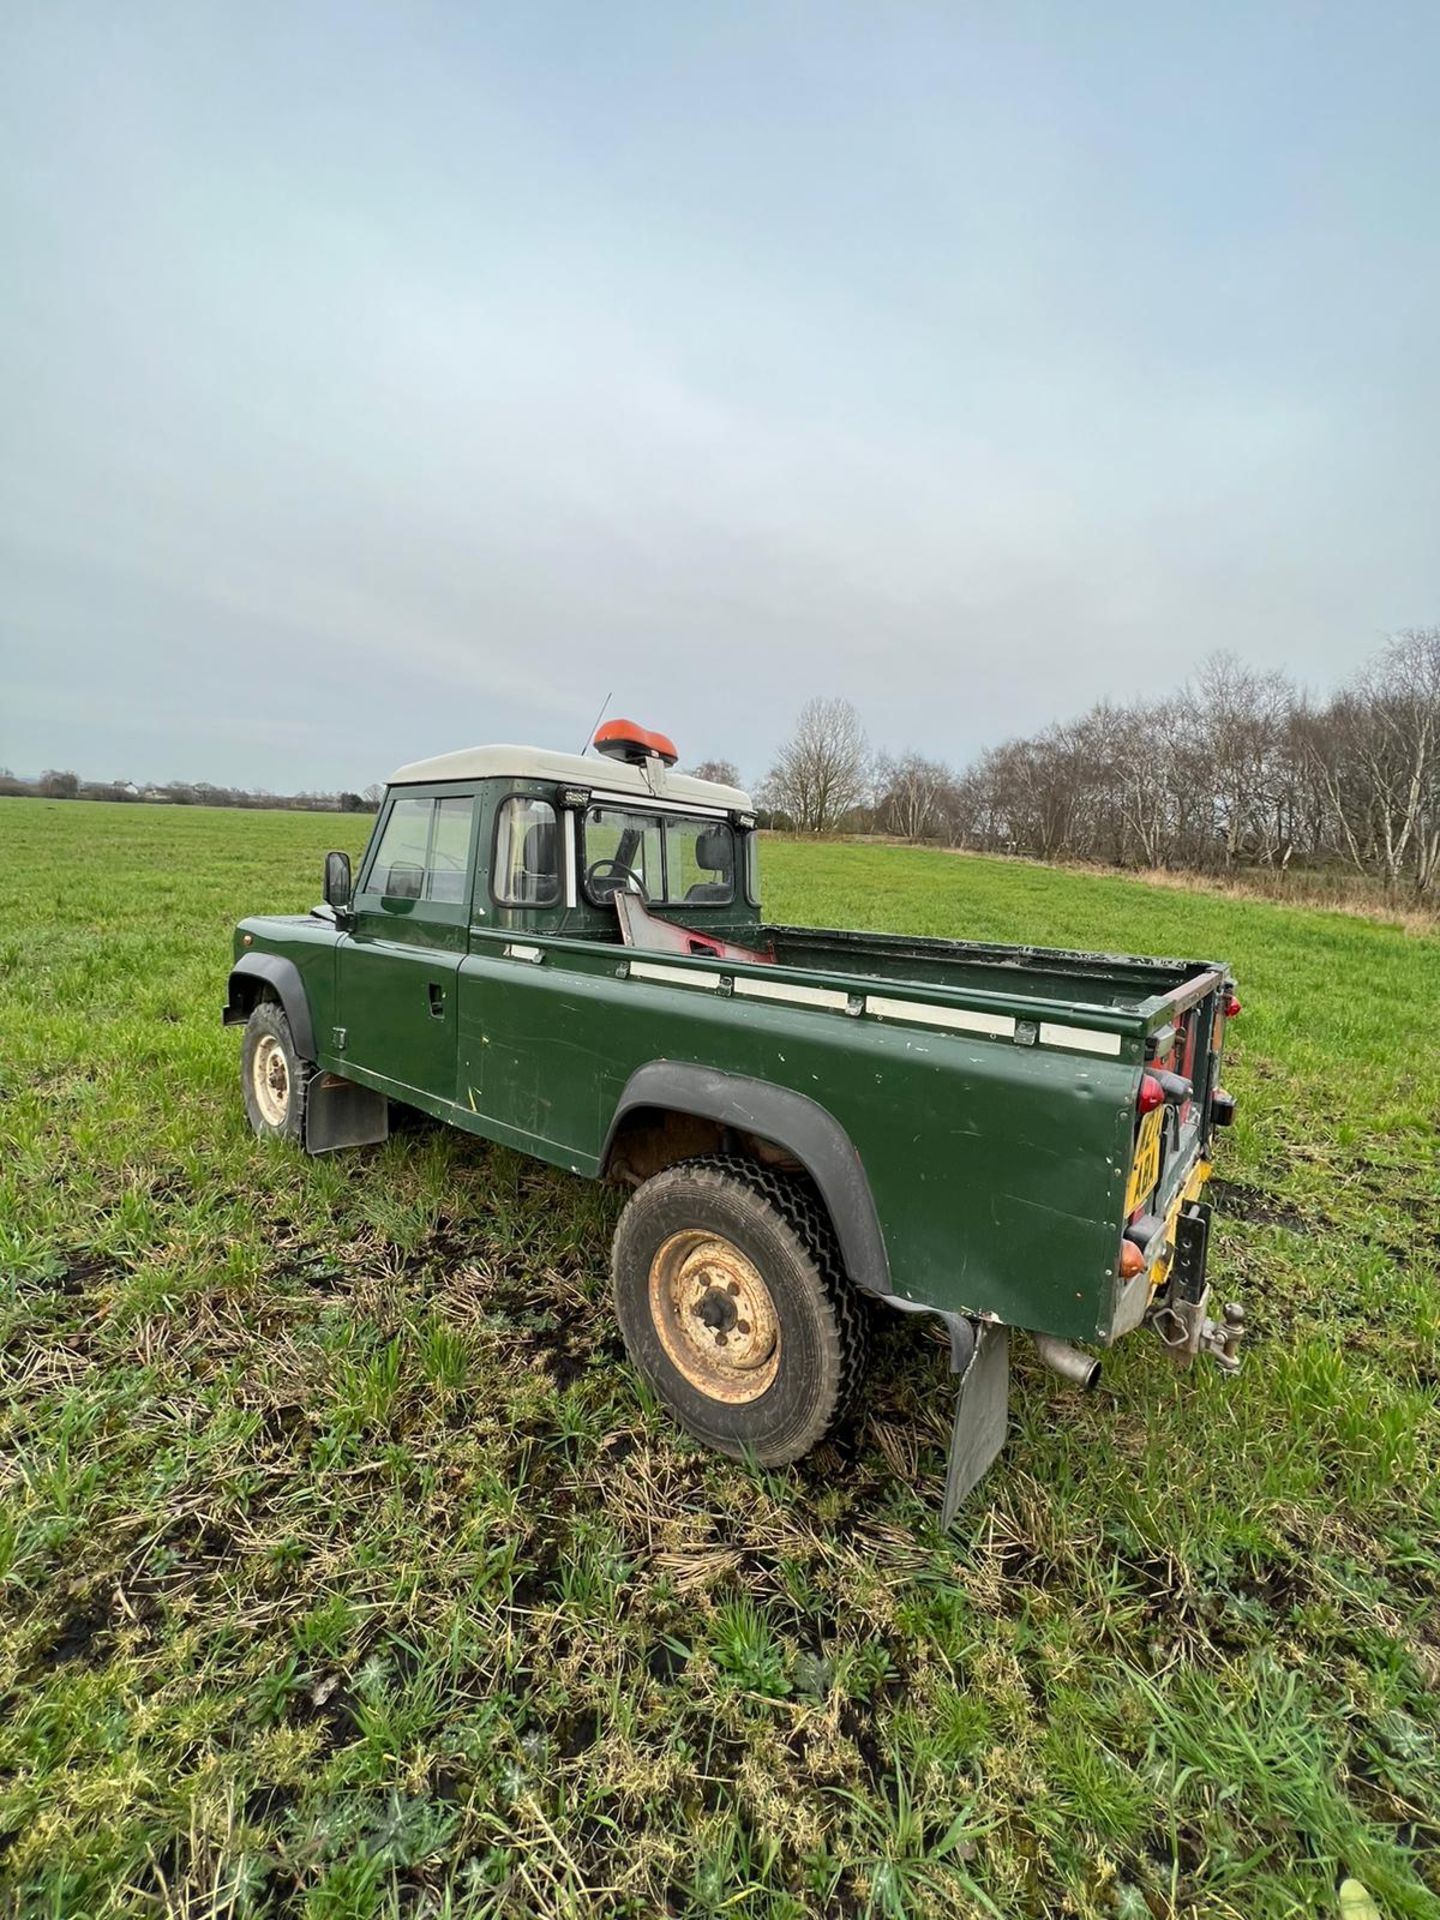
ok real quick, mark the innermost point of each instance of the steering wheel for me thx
(606, 885)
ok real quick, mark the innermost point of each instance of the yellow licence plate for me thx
(1146, 1171)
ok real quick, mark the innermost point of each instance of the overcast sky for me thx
(376, 380)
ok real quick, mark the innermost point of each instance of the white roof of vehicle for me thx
(653, 780)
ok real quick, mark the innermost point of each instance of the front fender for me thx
(251, 973)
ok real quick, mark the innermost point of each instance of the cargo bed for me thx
(1111, 982)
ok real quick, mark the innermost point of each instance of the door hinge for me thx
(337, 1039)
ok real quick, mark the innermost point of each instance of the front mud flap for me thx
(982, 1409)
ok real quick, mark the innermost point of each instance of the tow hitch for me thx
(1221, 1338)
(1179, 1316)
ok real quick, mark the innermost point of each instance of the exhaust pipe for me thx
(1080, 1369)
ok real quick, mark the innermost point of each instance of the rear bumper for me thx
(1160, 1245)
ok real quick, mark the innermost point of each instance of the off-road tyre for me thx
(777, 1226)
(273, 1078)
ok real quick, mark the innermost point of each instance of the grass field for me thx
(344, 1571)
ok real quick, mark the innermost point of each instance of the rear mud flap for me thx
(982, 1409)
(340, 1114)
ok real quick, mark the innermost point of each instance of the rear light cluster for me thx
(1132, 1260)
(1158, 1088)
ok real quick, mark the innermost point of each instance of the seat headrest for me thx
(538, 853)
(714, 849)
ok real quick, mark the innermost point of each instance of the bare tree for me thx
(1239, 718)
(1376, 750)
(822, 771)
(1142, 768)
(909, 796)
(961, 806)
(724, 773)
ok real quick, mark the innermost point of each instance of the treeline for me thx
(1238, 770)
(58, 784)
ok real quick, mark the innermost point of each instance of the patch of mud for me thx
(81, 1274)
(82, 1637)
(1260, 1209)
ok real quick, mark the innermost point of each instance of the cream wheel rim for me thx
(270, 1081)
(715, 1317)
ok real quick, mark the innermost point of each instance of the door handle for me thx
(437, 1001)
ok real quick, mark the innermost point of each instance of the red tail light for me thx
(1152, 1094)
(1132, 1260)
(1232, 1007)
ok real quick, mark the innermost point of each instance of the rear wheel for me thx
(273, 1077)
(734, 1306)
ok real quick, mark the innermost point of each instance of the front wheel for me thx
(735, 1307)
(273, 1077)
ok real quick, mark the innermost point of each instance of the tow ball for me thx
(1221, 1338)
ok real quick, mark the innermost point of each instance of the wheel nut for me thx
(735, 1288)
(742, 1326)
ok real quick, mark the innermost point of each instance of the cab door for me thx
(399, 962)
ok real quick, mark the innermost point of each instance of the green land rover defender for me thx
(566, 953)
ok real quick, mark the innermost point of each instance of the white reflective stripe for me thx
(795, 995)
(1084, 1039)
(516, 952)
(674, 976)
(959, 1019)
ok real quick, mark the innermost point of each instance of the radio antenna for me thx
(585, 743)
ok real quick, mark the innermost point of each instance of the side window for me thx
(527, 854)
(700, 861)
(448, 868)
(424, 851)
(398, 869)
(674, 859)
